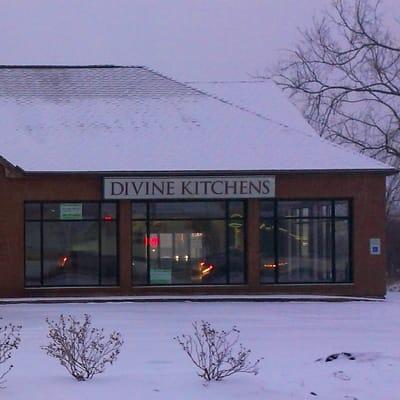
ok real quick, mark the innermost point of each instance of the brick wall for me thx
(366, 190)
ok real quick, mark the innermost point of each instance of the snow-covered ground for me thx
(290, 337)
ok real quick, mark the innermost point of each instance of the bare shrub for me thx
(83, 350)
(217, 354)
(10, 338)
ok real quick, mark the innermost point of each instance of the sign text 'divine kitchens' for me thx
(214, 187)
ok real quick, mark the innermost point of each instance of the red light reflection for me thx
(153, 241)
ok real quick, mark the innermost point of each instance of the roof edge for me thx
(10, 169)
(382, 171)
(63, 66)
(6, 164)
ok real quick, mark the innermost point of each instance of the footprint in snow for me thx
(342, 376)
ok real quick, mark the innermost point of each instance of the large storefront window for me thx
(71, 244)
(305, 241)
(182, 243)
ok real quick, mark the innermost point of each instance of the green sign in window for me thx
(70, 211)
(160, 276)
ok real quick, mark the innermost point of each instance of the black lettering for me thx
(266, 187)
(253, 186)
(205, 184)
(155, 187)
(217, 183)
(243, 187)
(185, 189)
(170, 188)
(135, 188)
(120, 187)
(229, 186)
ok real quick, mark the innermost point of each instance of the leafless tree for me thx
(345, 75)
(82, 349)
(10, 338)
(214, 352)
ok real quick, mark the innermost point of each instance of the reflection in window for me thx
(33, 260)
(306, 242)
(184, 252)
(267, 251)
(139, 251)
(185, 243)
(304, 250)
(236, 251)
(342, 251)
(74, 244)
(70, 253)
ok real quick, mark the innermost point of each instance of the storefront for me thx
(70, 230)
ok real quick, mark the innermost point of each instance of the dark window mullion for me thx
(41, 245)
(276, 247)
(350, 240)
(227, 242)
(147, 240)
(99, 244)
(333, 243)
(245, 263)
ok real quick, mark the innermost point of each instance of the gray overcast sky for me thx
(187, 39)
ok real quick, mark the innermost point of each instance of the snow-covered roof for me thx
(98, 119)
(263, 97)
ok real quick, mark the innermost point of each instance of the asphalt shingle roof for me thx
(133, 119)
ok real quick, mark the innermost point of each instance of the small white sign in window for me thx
(375, 246)
(70, 211)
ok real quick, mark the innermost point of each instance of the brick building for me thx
(120, 181)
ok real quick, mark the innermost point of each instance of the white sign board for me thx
(375, 246)
(206, 187)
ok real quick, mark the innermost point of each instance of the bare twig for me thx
(345, 75)
(10, 339)
(217, 354)
(83, 350)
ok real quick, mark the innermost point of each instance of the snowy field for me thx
(290, 337)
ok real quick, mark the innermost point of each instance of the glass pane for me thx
(139, 253)
(342, 208)
(109, 262)
(32, 254)
(139, 210)
(70, 253)
(304, 208)
(305, 248)
(108, 211)
(267, 209)
(90, 210)
(267, 245)
(181, 210)
(236, 209)
(342, 251)
(187, 252)
(32, 211)
(70, 211)
(51, 211)
(236, 251)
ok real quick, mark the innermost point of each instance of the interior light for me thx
(62, 261)
(153, 241)
(207, 270)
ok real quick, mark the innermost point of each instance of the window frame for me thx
(226, 218)
(332, 219)
(97, 220)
